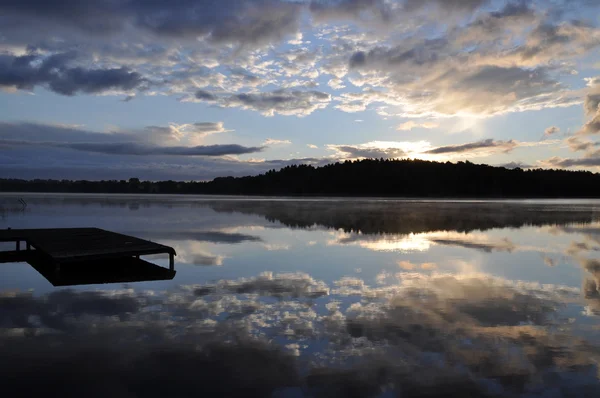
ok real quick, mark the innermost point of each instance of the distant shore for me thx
(369, 178)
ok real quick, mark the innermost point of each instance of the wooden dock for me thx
(84, 251)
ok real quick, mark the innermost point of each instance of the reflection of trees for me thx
(408, 217)
(366, 216)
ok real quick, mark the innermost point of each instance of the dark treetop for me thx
(369, 177)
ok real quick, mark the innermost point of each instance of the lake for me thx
(313, 297)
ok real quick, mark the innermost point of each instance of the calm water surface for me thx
(330, 297)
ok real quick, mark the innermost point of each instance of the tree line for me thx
(367, 177)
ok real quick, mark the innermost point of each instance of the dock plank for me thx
(77, 244)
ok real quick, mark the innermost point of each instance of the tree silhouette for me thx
(368, 177)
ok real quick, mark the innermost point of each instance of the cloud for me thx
(312, 146)
(591, 107)
(499, 146)
(592, 126)
(336, 84)
(278, 285)
(550, 262)
(367, 151)
(62, 163)
(485, 147)
(271, 141)
(473, 242)
(255, 22)
(218, 237)
(358, 10)
(206, 128)
(515, 165)
(283, 102)
(577, 143)
(205, 96)
(492, 65)
(140, 149)
(408, 266)
(407, 126)
(54, 73)
(593, 161)
(447, 5)
(173, 133)
(207, 259)
(551, 131)
(151, 140)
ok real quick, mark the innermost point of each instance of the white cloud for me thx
(336, 84)
(271, 141)
(552, 130)
(407, 126)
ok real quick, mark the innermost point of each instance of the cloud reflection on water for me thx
(478, 332)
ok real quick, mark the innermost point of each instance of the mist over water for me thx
(319, 298)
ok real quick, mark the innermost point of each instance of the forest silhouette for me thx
(368, 177)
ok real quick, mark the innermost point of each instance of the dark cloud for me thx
(359, 151)
(150, 140)
(205, 96)
(449, 5)
(525, 82)
(60, 164)
(133, 148)
(426, 52)
(550, 40)
(55, 73)
(253, 22)
(515, 165)
(489, 26)
(204, 236)
(578, 143)
(592, 99)
(281, 285)
(593, 161)
(284, 102)
(351, 9)
(26, 131)
(467, 242)
(504, 146)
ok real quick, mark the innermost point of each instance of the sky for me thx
(193, 90)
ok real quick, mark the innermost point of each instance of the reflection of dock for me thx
(71, 256)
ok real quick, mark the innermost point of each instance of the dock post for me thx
(171, 261)
(18, 245)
